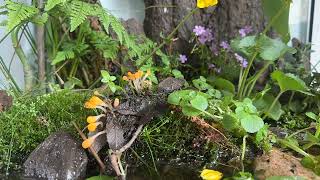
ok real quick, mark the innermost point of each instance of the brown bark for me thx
(225, 20)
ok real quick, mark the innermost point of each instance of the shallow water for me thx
(165, 172)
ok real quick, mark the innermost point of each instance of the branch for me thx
(91, 150)
(129, 144)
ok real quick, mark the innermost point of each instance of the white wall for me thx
(315, 56)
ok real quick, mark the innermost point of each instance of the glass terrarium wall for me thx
(315, 56)
(299, 19)
(125, 9)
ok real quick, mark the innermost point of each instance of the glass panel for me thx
(125, 9)
(299, 19)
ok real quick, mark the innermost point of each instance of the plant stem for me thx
(41, 52)
(294, 147)
(28, 73)
(244, 142)
(272, 105)
(255, 79)
(245, 75)
(170, 36)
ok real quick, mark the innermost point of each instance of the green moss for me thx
(31, 119)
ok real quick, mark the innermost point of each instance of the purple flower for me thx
(243, 62)
(225, 45)
(199, 30)
(245, 31)
(204, 35)
(183, 58)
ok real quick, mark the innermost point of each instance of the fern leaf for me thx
(79, 12)
(52, 3)
(104, 18)
(62, 56)
(19, 12)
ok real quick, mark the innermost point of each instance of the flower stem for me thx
(170, 36)
(254, 80)
(245, 75)
(273, 104)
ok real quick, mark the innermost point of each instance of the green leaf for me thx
(199, 103)
(230, 122)
(105, 75)
(312, 115)
(100, 178)
(79, 13)
(272, 49)
(190, 111)
(251, 123)
(223, 84)
(177, 74)
(62, 56)
(308, 162)
(262, 134)
(263, 103)
(175, 97)
(289, 82)
(18, 13)
(281, 24)
(245, 45)
(285, 178)
(52, 3)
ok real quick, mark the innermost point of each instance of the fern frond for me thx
(79, 13)
(19, 12)
(52, 3)
(107, 20)
(62, 56)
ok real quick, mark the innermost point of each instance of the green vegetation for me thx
(31, 119)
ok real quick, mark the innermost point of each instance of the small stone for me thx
(5, 101)
(170, 84)
(278, 163)
(59, 157)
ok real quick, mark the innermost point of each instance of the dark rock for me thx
(5, 101)
(59, 157)
(170, 84)
(133, 27)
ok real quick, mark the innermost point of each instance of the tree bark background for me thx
(225, 20)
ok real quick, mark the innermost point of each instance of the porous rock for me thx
(278, 163)
(59, 157)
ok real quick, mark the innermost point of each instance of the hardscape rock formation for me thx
(59, 157)
(278, 163)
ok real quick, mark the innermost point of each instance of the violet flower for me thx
(199, 30)
(245, 31)
(225, 45)
(204, 35)
(183, 58)
(243, 62)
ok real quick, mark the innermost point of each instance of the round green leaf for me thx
(251, 123)
(200, 103)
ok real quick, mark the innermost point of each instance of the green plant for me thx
(32, 118)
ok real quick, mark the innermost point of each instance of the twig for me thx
(91, 150)
(128, 145)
